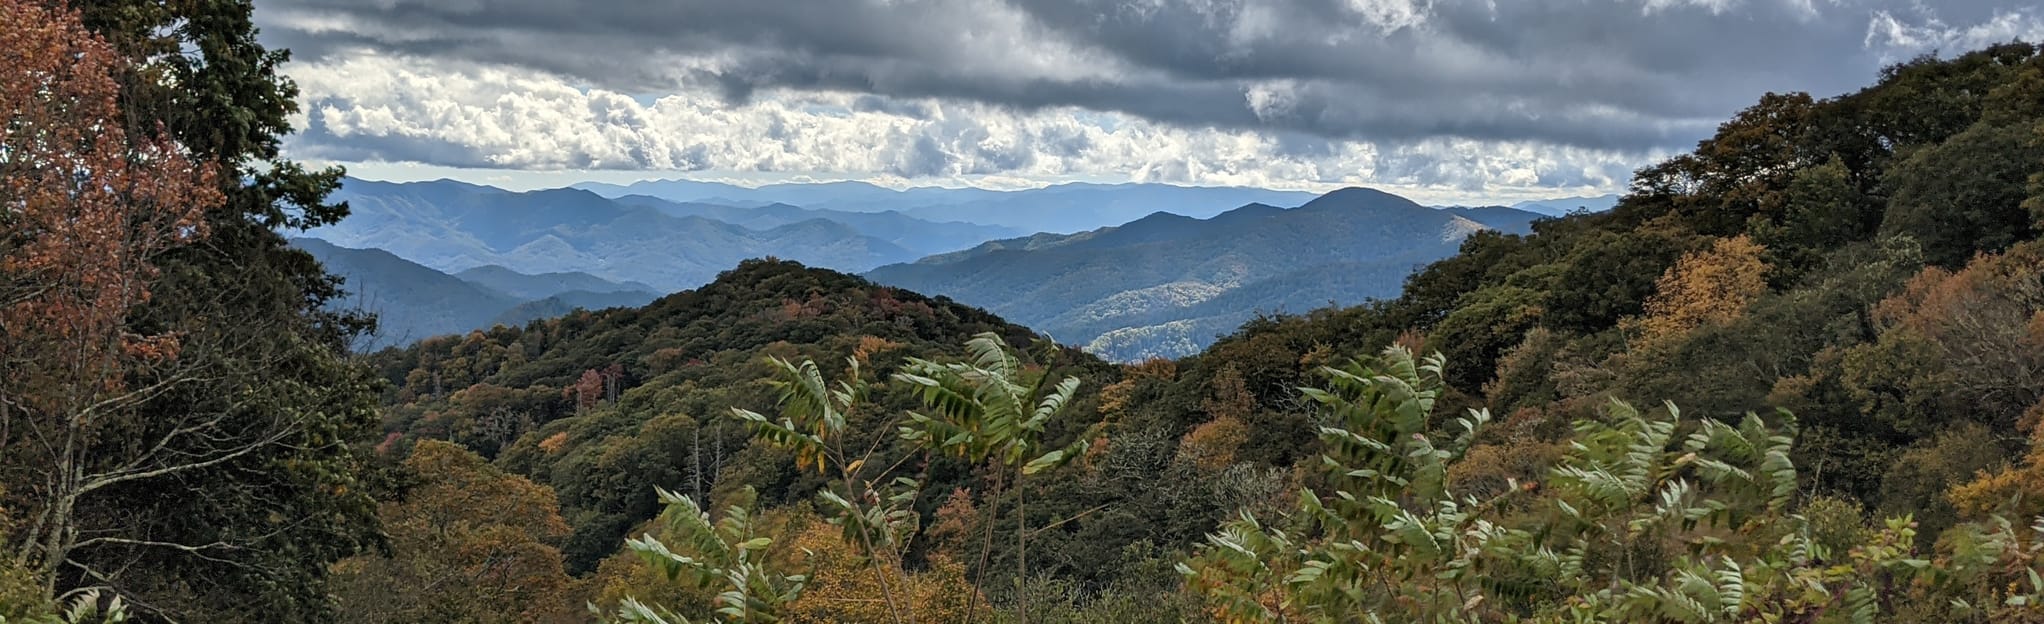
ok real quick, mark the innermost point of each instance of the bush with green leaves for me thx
(1647, 517)
(728, 554)
(990, 411)
(987, 410)
(875, 508)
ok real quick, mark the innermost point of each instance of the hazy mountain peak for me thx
(1357, 197)
(1060, 208)
(1158, 218)
(542, 285)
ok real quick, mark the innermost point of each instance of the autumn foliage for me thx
(1985, 321)
(844, 588)
(471, 544)
(88, 202)
(1708, 287)
(1212, 445)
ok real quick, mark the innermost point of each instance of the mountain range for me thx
(524, 286)
(1166, 285)
(412, 301)
(443, 256)
(1062, 208)
(921, 236)
(452, 226)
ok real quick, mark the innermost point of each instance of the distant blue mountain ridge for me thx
(453, 226)
(1167, 285)
(446, 256)
(412, 301)
(1063, 208)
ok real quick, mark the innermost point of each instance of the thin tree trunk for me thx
(56, 546)
(986, 546)
(857, 507)
(1021, 551)
(894, 609)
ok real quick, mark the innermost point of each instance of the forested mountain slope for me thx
(409, 301)
(916, 235)
(613, 389)
(1869, 262)
(1794, 375)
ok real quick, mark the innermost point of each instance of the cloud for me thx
(1570, 91)
(1896, 36)
(379, 108)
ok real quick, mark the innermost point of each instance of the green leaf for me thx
(1049, 460)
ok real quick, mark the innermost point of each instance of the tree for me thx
(1213, 444)
(1380, 459)
(1954, 347)
(1710, 287)
(1742, 171)
(1822, 210)
(1985, 322)
(842, 585)
(250, 312)
(731, 554)
(2015, 491)
(587, 391)
(1966, 195)
(988, 411)
(1606, 277)
(1488, 324)
(89, 207)
(468, 543)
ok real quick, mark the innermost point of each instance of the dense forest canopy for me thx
(1795, 375)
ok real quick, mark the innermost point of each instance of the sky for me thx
(1446, 101)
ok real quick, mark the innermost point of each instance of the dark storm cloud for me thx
(1623, 75)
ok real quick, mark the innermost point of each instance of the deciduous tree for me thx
(1709, 287)
(90, 198)
(468, 543)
